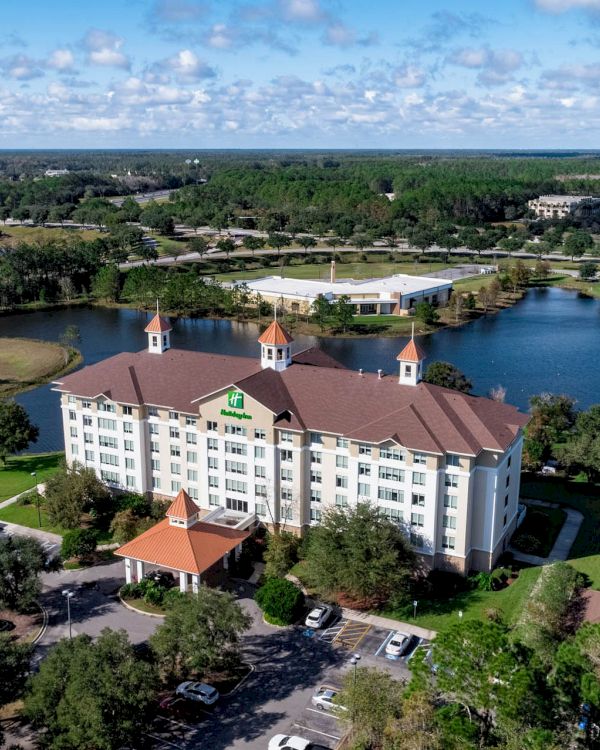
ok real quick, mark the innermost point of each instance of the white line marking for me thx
(161, 739)
(174, 721)
(385, 643)
(326, 714)
(412, 653)
(316, 731)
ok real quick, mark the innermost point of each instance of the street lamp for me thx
(415, 602)
(354, 661)
(37, 498)
(460, 614)
(68, 594)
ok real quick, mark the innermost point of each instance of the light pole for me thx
(68, 594)
(37, 499)
(415, 603)
(354, 661)
(460, 614)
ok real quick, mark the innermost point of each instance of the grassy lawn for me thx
(591, 288)
(538, 532)
(16, 477)
(44, 234)
(26, 515)
(28, 362)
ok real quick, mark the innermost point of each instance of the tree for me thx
(281, 553)
(305, 241)
(117, 690)
(22, 559)
(124, 526)
(280, 600)
(321, 311)
(359, 554)
(14, 667)
(457, 304)
(105, 284)
(278, 241)
(200, 633)
(342, 312)
(417, 728)
(577, 243)
(581, 451)
(519, 275)
(426, 313)
(16, 431)
(588, 270)
(542, 269)
(72, 491)
(447, 375)
(552, 416)
(80, 543)
(70, 336)
(158, 217)
(253, 243)
(198, 245)
(131, 209)
(487, 296)
(226, 245)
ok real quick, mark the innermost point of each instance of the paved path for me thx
(14, 498)
(388, 624)
(564, 540)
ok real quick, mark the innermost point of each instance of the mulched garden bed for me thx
(25, 626)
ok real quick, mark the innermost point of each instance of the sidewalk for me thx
(14, 498)
(564, 540)
(388, 624)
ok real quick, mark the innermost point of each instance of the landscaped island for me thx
(26, 363)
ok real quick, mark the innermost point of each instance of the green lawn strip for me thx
(16, 477)
(26, 515)
(542, 525)
(143, 606)
(321, 271)
(589, 566)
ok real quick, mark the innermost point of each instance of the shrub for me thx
(124, 526)
(483, 581)
(281, 554)
(138, 504)
(171, 597)
(130, 591)
(158, 508)
(79, 543)
(29, 498)
(154, 593)
(280, 600)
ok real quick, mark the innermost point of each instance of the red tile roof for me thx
(275, 335)
(191, 550)
(182, 507)
(158, 325)
(412, 352)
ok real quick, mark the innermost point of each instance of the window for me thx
(341, 462)
(450, 480)
(259, 451)
(72, 400)
(418, 477)
(315, 515)
(155, 463)
(286, 495)
(212, 444)
(107, 441)
(191, 438)
(260, 490)
(104, 406)
(505, 500)
(192, 457)
(260, 434)
(174, 433)
(286, 456)
(211, 426)
(213, 481)
(128, 427)
(89, 455)
(107, 424)
(417, 519)
(286, 437)
(235, 467)
(153, 429)
(505, 519)
(287, 475)
(73, 432)
(174, 415)
(128, 445)
(175, 451)
(88, 405)
(419, 458)
(287, 514)
(452, 460)
(448, 542)
(364, 489)
(449, 522)
(74, 449)
(156, 483)
(130, 464)
(191, 421)
(416, 539)
(175, 468)
(233, 504)
(364, 470)
(235, 429)
(341, 501)
(87, 422)
(128, 411)
(391, 454)
(390, 474)
(109, 458)
(315, 477)
(315, 496)
(109, 476)
(152, 411)
(364, 449)
(192, 475)
(88, 437)
(316, 438)
(154, 447)
(392, 514)
(235, 485)
(130, 481)
(316, 457)
(418, 500)
(213, 462)
(193, 492)
(260, 471)
(509, 462)
(407, 369)
(341, 481)
(213, 500)
(239, 449)
(341, 443)
(508, 480)
(394, 496)
(450, 501)
(175, 486)
(261, 509)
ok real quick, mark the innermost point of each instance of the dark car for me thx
(176, 705)
(161, 578)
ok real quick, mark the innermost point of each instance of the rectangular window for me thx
(391, 454)
(130, 464)
(211, 426)
(107, 441)
(72, 399)
(175, 451)
(193, 492)
(74, 449)
(107, 424)
(73, 432)
(341, 462)
(418, 477)
(191, 421)
(175, 468)
(341, 481)
(128, 445)
(239, 449)
(316, 457)
(109, 476)
(419, 458)
(392, 514)
(391, 474)
(450, 480)
(287, 514)
(286, 495)
(233, 504)
(192, 475)
(213, 481)
(88, 437)
(416, 539)
(364, 470)
(235, 485)
(213, 500)
(341, 443)
(89, 455)
(154, 447)
(109, 458)
(259, 451)
(261, 509)
(156, 483)
(260, 490)
(235, 467)
(213, 462)
(152, 411)
(260, 472)
(235, 429)
(88, 405)
(364, 489)
(286, 437)
(315, 515)
(153, 429)
(286, 456)
(316, 438)
(191, 438)
(341, 501)
(315, 496)
(104, 406)
(287, 475)
(130, 481)
(394, 496)
(452, 459)
(175, 486)
(364, 449)
(260, 434)
(315, 477)
(192, 457)
(174, 415)
(451, 501)
(417, 519)
(128, 411)
(87, 422)
(155, 463)
(448, 542)
(174, 433)
(212, 444)
(418, 500)
(449, 522)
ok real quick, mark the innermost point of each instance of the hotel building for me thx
(285, 436)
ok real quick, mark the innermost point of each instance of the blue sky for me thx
(300, 74)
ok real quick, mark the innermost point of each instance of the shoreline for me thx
(74, 361)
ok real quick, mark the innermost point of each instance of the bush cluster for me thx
(280, 601)
(151, 592)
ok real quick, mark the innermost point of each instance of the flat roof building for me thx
(559, 206)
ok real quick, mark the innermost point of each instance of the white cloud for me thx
(408, 77)
(104, 48)
(496, 67)
(187, 65)
(98, 123)
(302, 11)
(20, 68)
(61, 60)
(562, 6)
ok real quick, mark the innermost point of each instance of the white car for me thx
(323, 700)
(287, 742)
(318, 616)
(397, 643)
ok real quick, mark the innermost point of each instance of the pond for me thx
(550, 341)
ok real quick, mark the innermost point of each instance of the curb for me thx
(240, 683)
(43, 628)
(278, 627)
(139, 611)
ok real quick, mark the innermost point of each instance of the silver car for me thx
(323, 700)
(318, 616)
(199, 692)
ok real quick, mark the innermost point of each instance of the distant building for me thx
(559, 206)
(56, 172)
(392, 295)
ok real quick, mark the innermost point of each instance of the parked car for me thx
(318, 616)
(397, 644)
(290, 742)
(176, 705)
(161, 578)
(199, 692)
(323, 700)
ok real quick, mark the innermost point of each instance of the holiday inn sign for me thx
(235, 400)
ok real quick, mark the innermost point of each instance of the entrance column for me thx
(183, 581)
(226, 561)
(195, 584)
(140, 569)
(127, 570)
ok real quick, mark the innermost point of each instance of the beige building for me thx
(559, 206)
(285, 436)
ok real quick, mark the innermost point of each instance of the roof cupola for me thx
(159, 334)
(275, 347)
(411, 362)
(183, 511)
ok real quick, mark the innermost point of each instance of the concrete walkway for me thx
(388, 624)
(14, 498)
(564, 540)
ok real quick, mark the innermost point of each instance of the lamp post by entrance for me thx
(354, 661)
(68, 594)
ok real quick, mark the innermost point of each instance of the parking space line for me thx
(351, 634)
(161, 739)
(316, 731)
(330, 633)
(179, 723)
(327, 714)
(385, 643)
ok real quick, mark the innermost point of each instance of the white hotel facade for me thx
(285, 437)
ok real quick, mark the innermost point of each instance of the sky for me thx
(508, 74)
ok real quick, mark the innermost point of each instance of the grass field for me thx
(44, 234)
(16, 477)
(26, 515)
(26, 362)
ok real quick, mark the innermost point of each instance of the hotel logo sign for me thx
(235, 400)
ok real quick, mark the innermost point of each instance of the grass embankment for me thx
(589, 288)
(16, 477)
(27, 363)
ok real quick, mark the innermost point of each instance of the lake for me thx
(550, 341)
